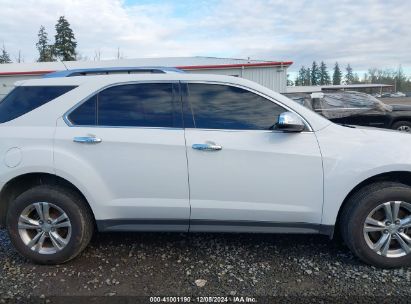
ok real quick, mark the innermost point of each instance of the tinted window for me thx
(24, 99)
(86, 113)
(227, 107)
(143, 105)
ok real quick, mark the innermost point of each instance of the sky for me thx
(364, 33)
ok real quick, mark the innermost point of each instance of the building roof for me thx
(184, 63)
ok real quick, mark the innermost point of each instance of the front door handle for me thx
(87, 140)
(207, 147)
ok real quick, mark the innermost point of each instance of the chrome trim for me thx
(70, 124)
(87, 140)
(207, 147)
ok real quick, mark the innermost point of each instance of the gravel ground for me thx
(162, 264)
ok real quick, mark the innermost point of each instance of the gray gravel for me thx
(202, 264)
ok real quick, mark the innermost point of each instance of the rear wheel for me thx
(402, 126)
(376, 224)
(49, 225)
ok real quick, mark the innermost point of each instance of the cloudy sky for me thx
(365, 33)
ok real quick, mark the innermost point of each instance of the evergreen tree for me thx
(307, 77)
(65, 44)
(337, 75)
(315, 74)
(43, 46)
(4, 56)
(324, 76)
(349, 76)
(400, 80)
(299, 81)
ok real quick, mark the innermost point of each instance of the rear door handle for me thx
(87, 140)
(207, 147)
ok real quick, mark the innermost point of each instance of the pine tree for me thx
(349, 76)
(43, 46)
(324, 76)
(337, 75)
(299, 81)
(307, 77)
(4, 56)
(400, 80)
(65, 44)
(315, 74)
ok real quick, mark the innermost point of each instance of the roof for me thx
(310, 89)
(184, 63)
(111, 70)
(124, 78)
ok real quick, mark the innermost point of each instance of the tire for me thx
(62, 240)
(368, 201)
(402, 126)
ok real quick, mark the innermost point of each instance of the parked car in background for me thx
(203, 153)
(398, 94)
(355, 108)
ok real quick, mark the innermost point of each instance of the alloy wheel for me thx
(404, 129)
(44, 228)
(387, 229)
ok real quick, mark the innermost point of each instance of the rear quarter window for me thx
(24, 99)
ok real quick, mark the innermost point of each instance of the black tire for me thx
(356, 211)
(397, 125)
(82, 222)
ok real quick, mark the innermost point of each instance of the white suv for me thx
(184, 152)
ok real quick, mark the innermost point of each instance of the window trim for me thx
(279, 103)
(183, 99)
(78, 104)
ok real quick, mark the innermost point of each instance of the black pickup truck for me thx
(354, 108)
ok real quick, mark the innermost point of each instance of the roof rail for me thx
(113, 70)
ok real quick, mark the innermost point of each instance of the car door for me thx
(125, 148)
(245, 176)
(372, 118)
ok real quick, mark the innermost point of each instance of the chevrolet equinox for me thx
(199, 153)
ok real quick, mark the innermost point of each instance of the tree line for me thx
(63, 47)
(318, 74)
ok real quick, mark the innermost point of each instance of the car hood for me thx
(401, 107)
(367, 148)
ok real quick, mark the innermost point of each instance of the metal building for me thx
(272, 74)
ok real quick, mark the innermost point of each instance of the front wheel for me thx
(49, 224)
(402, 126)
(376, 224)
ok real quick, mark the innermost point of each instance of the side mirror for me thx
(289, 122)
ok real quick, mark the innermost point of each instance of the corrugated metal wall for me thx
(274, 78)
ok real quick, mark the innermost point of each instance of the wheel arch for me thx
(403, 177)
(400, 119)
(21, 183)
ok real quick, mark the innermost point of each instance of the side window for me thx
(86, 113)
(132, 105)
(227, 107)
(24, 99)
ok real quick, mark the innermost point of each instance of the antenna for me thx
(62, 62)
